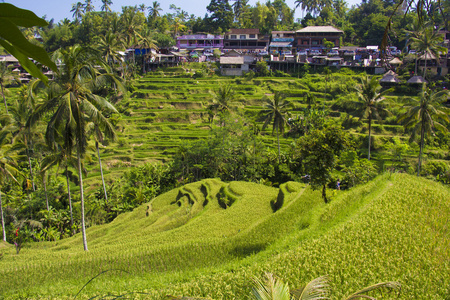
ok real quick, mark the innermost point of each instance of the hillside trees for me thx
(71, 101)
(369, 103)
(276, 111)
(424, 115)
(221, 17)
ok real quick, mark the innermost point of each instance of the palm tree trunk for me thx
(70, 197)
(3, 220)
(278, 139)
(46, 194)
(4, 98)
(31, 170)
(422, 137)
(101, 171)
(83, 225)
(370, 135)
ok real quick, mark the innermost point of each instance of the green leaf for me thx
(24, 61)
(10, 32)
(20, 17)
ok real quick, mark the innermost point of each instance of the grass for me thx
(394, 228)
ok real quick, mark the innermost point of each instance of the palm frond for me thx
(389, 286)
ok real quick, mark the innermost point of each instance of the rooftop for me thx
(314, 29)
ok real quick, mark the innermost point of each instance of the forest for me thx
(101, 140)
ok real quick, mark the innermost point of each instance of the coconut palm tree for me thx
(222, 102)
(154, 10)
(147, 42)
(6, 77)
(177, 26)
(428, 42)
(72, 103)
(106, 5)
(88, 6)
(78, 11)
(8, 170)
(426, 114)
(276, 111)
(369, 102)
(109, 46)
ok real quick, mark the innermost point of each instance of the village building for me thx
(245, 40)
(200, 42)
(311, 37)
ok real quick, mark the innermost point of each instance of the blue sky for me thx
(60, 9)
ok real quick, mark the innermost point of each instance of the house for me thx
(200, 42)
(282, 42)
(245, 40)
(233, 66)
(311, 37)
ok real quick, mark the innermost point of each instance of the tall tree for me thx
(72, 102)
(148, 43)
(8, 170)
(276, 110)
(426, 114)
(221, 15)
(88, 6)
(109, 46)
(177, 26)
(78, 11)
(428, 42)
(106, 5)
(154, 10)
(369, 105)
(222, 101)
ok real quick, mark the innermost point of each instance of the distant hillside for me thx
(210, 238)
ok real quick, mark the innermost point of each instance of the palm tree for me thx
(428, 42)
(142, 7)
(88, 7)
(106, 5)
(276, 110)
(369, 102)
(424, 115)
(8, 170)
(100, 133)
(147, 42)
(72, 103)
(78, 11)
(177, 26)
(222, 102)
(6, 77)
(24, 136)
(109, 46)
(154, 9)
(130, 27)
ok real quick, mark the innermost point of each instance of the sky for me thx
(60, 9)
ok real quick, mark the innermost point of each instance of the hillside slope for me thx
(209, 238)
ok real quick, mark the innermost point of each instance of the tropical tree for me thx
(222, 102)
(428, 42)
(106, 5)
(177, 26)
(426, 114)
(8, 169)
(88, 6)
(276, 110)
(100, 133)
(72, 103)
(78, 11)
(109, 46)
(6, 77)
(148, 43)
(142, 7)
(369, 102)
(154, 10)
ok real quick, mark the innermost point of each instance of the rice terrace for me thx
(243, 155)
